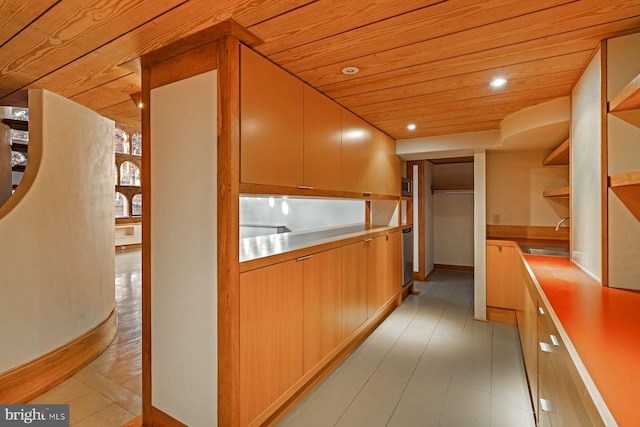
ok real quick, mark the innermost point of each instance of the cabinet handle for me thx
(546, 348)
(545, 405)
(554, 340)
(367, 240)
(302, 258)
(366, 193)
(304, 187)
(541, 310)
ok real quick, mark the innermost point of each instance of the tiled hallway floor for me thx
(107, 392)
(428, 364)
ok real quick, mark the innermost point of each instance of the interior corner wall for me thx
(623, 64)
(184, 289)
(58, 274)
(428, 218)
(515, 183)
(480, 235)
(453, 216)
(586, 170)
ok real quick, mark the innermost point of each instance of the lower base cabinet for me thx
(271, 335)
(296, 313)
(322, 309)
(558, 393)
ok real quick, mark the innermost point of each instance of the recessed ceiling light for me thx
(411, 126)
(498, 82)
(350, 70)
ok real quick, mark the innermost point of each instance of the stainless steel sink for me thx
(545, 249)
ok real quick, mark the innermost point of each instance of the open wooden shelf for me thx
(626, 103)
(629, 179)
(559, 192)
(452, 188)
(628, 98)
(559, 156)
(627, 187)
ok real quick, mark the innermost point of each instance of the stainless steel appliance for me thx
(407, 190)
(407, 255)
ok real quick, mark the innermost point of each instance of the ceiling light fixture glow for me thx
(498, 82)
(411, 126)
(350, 70)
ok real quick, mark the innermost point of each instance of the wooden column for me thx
(418, 217)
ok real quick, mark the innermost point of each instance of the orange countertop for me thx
(604, 326)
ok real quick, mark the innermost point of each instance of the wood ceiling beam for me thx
(16, 15)
(410, 64)
(467, 30)
(74, 28)
(521, 76)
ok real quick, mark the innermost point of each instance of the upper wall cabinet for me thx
(322, 141)
(293, 136)
(384, 165)
(271, 126)
(355, 152)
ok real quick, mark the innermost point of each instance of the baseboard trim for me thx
(23, 384)
(162, 419)
(501, 315)
(466, 268)
(131, 247)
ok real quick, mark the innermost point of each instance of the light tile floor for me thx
(428, 364)
(107, 392)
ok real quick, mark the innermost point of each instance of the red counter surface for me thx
(604, 326)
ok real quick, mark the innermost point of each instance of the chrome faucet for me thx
(560, 223)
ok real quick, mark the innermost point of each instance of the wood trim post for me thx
(146, 248)
(228, 232)
(418, 226)
(604, 178)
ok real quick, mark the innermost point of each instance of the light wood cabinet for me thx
(354, 286)
(502, 289)
(271, 123)
(322, 305)
(322, 141)
(526, 315)
(383, 164)
(355, 153)
(271, 335)
(383, 261)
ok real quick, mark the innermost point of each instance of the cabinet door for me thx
(382, 269)
(354, 287)
(384, 165)
(271, 335)
(322, 306)
(322, 141)
(394, 255)
(355, 143)
(526, 313)
(271, 135)
(501, 287)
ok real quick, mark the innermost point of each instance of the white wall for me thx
(623, 64)
(184, 249)
(56, 233)
(515, 182)
(5, 157)
(128, 234)
(586, 224)
(298, 214)
(480, 236)
(453, 216)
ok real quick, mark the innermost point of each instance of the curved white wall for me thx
(56, 233)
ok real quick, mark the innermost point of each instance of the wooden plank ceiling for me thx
(426, 62)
